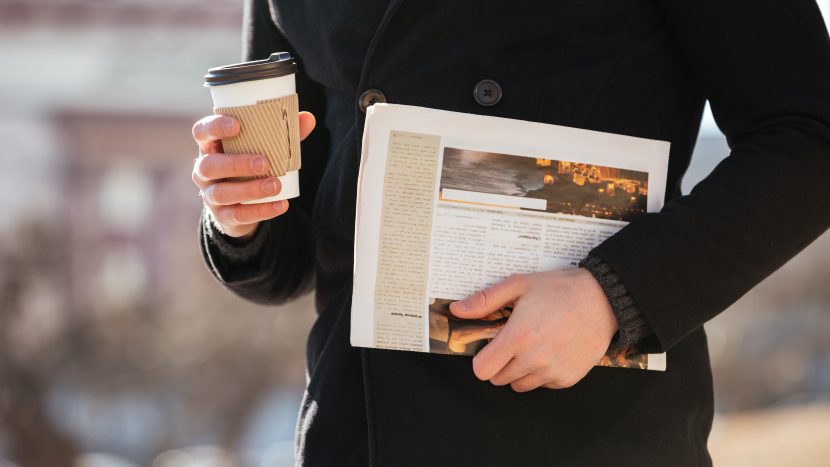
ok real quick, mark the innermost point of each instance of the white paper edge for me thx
(656, 361)
(362, 331)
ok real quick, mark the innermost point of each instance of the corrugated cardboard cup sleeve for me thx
(270, 127)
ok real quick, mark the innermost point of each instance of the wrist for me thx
(238, 235)
(245, 237)
(235, 250)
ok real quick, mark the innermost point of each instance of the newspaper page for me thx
(449, 203)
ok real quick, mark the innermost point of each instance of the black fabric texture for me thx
(236, 252)
(643, 68)
(633, 326)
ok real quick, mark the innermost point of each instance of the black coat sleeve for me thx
(765, 68)
(277, 264)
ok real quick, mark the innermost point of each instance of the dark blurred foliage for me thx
(204, 365)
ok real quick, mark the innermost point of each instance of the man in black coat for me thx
(637, 67)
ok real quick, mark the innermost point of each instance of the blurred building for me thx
(104, 58)
(98, 101)
(98, 129)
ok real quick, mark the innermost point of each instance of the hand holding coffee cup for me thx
(217, 175)
(249, 157)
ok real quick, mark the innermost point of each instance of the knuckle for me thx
(556, 383)
(520, 387)
(242, 214)
(521, 336)
(196, 131)
(525, 341)
(209, 194)
(538, 363)
(201, 129)
(534, 337)
(219, 193)
(220, 216)
(194, 176)
(231, 215)
(498, 381)
(566, 381)
(480, 368)
(205, 167)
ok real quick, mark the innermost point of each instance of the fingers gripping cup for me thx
(262, 96)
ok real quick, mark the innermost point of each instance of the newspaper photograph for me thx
(450, 203)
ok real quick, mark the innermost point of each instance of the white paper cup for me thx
(247, 83)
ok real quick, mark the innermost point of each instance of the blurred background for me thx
(117, 347)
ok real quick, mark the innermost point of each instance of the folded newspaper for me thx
(449, 203)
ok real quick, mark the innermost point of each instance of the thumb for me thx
(307, 124)
(484, 302)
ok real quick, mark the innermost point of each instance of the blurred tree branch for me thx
(33, 439)
(202, 352)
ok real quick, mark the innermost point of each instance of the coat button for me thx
(370, 97)
(487, 92)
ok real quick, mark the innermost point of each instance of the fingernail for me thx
(258, 164)
(269, 186)
(459, 306)
(279, 206)
(227, 126)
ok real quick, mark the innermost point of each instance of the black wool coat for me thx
(635, 67)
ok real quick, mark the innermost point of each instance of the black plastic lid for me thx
(278, 64)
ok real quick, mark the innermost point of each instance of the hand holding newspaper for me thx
(450, 203)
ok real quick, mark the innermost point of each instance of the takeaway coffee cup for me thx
(262, 96)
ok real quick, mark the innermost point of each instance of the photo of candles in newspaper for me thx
(450, 203)
(549, 185)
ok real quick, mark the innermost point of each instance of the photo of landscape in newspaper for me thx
(546, 184)
(454, 336)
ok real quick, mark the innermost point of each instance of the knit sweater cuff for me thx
(632, 324)
(235, 251)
